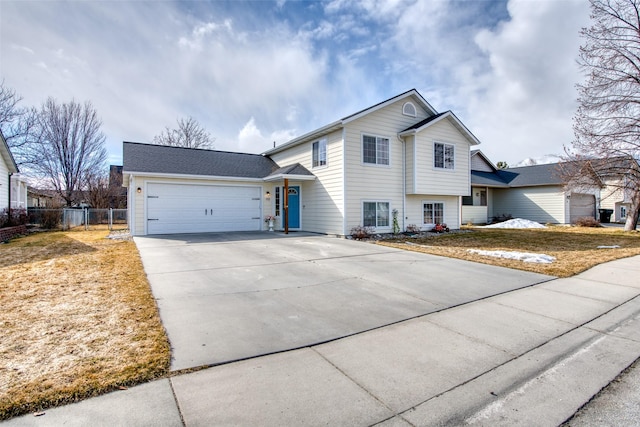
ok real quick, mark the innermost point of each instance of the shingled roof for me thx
(148, 158)
(526, 176)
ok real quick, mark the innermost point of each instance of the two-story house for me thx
(400, 156)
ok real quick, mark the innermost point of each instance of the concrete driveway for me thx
(230, 296)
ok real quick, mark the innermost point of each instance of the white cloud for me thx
(525, 104)
(251, 140)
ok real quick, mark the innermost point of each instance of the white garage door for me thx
(185, 208)
(582, 206)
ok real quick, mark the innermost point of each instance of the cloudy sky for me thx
(256, 72)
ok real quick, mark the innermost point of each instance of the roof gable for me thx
(481, 162)
(338, 124)
(162, 159)
(447, 115)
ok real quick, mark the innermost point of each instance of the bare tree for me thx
(99, 194)
(188, 134)
(607, 123)
(70, 146)
(16, 122)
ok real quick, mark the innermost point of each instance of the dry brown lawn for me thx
(77, 319)
(575, 248)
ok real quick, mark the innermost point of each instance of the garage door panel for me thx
(581, 206)
(183, 208)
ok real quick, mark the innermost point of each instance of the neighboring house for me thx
(13, 187)
(38, 198)
(399, 155)
(537, 193)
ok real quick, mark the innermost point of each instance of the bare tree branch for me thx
(607, 123)
(69, 146)
(188, 134)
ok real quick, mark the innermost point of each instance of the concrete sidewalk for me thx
(530, 357)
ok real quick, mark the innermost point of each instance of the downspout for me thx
(9, 205)
(404, 179)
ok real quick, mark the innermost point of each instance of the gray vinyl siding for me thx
(545, 204)
(322, 199)
(480, 164)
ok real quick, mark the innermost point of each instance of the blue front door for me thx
(294, 207)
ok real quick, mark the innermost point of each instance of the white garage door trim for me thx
(172, 208)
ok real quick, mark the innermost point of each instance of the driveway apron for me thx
(231, 296)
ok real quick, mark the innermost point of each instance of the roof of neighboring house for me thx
(479, 153)
(547, 174)
(489, 179)
(5, 153)
(525, 176)
(162, 159)
(341, 122)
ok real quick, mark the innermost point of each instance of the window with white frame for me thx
(433, 212)
(319, 153)
(375, 150)
(408, 109)
(375, 214)
(443, 155)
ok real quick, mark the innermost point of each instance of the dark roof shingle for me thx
(138, 157)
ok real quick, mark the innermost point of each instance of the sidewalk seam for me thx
(360, 386)
(175, 399)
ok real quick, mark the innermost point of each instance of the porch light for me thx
(268, 195)
(139, 190)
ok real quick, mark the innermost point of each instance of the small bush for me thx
(501, 218)
(50, 219)
(360, 232)
(588, 222)
(19, 216)
(412, 228)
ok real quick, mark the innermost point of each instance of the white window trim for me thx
(375, 165)
(433, 157)
(415, 110)
(444, 211)
(326, 154)
(383, 228)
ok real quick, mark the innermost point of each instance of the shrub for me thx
(588, 222)
(50, 219)
(19, 216)
(501, 218)
(412, 228)
(360, 232)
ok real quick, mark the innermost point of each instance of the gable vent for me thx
(408, 109)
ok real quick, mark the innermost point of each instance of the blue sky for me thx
(256, 72)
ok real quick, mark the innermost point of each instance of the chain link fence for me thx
(114, 219)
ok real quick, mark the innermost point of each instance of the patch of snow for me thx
(543, 160)
(608, 247)
(519, 256)
(516, 223)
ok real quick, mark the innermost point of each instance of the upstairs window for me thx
(443, 156)
(408, 109)
(319, 153)
(375, 150)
